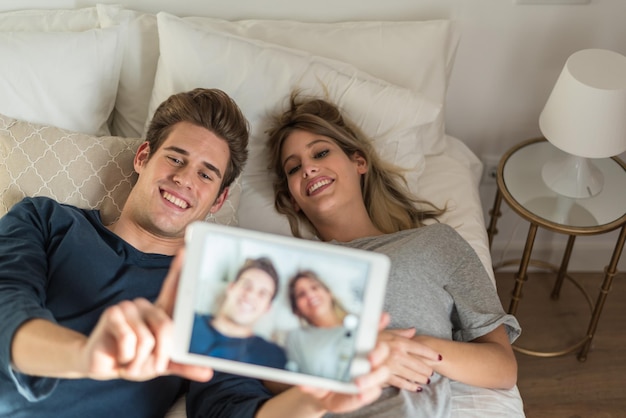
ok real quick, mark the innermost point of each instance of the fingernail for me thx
(440, 358)
(419, 389)
(428, 381)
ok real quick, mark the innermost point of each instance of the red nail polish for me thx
(440, 358)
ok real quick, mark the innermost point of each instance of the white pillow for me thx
(450, 183)
(260, 77)
(139, 60)
(53, 20)
(418, 55)
(138, 67)
(78, 169)
(65, 79)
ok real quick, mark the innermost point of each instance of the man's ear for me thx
(141, 156)
(219, 201)
(361, 162)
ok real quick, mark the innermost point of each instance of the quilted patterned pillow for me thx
(78, 169)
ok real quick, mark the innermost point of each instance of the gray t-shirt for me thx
(438, 285)
(325, 352)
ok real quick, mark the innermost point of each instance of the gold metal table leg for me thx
(495, 214)
(522, 273)
(556, 291)
(609, 273)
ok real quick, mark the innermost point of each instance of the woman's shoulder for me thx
(441, 236)
(435, 231)
(439, 229)
(424, 240)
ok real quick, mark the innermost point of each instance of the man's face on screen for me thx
(248, 297)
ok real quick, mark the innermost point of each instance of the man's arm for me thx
(131, 341)
(42, 348)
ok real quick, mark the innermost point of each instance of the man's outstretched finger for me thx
(124, 339)
(142, 363)
(161, 326)
(167, 296)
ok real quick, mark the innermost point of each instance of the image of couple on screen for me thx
(320, 342)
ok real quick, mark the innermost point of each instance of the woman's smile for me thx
(317, 185)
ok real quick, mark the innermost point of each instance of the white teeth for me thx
(178, 202)
(319, 184)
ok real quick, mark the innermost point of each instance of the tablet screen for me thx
(278, 308)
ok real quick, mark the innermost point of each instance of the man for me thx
(230, 333)
(78, 299)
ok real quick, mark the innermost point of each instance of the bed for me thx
(78, 86)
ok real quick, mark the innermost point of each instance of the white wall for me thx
(507, 62)
(509, 58)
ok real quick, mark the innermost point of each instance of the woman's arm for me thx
(487, 361)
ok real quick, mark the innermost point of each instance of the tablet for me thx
(278, 308)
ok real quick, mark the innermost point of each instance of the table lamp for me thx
(585, 116)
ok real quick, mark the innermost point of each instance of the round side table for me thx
(520, 185)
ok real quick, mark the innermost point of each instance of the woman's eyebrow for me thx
(309, 145)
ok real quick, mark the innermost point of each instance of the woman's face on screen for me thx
(313, 300)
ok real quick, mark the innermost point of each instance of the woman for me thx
(324, 346)
(447, 320)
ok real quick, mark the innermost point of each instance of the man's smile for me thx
(175, 200)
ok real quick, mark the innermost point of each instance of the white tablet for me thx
(278, 308)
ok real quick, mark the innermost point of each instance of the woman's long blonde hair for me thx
(389, 203)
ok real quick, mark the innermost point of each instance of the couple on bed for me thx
(86, 307)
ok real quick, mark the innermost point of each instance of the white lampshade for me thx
(585, 116)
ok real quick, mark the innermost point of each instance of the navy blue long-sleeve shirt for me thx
(60, 263)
